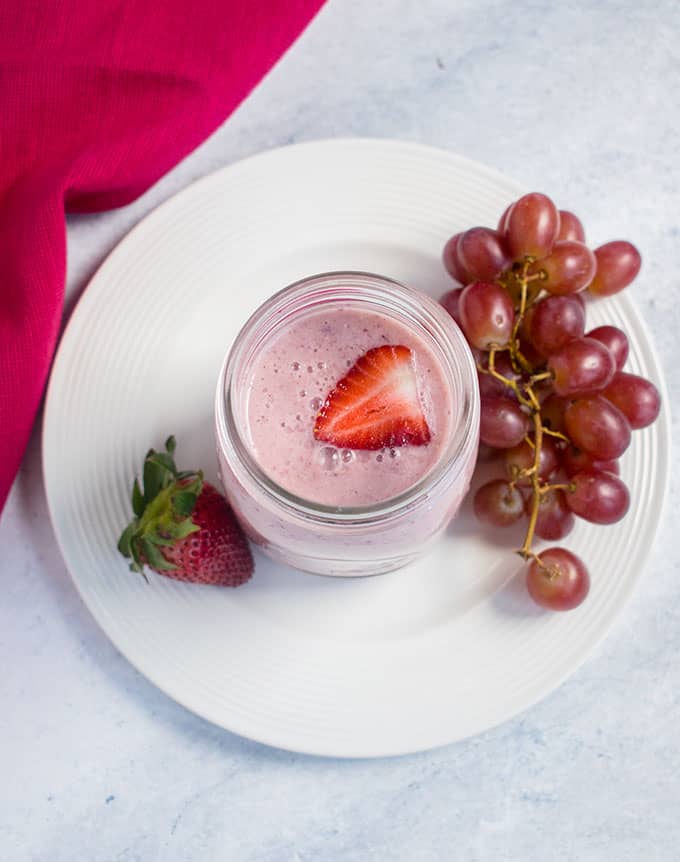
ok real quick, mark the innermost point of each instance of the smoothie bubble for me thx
(329, 457)
(346, 455)
(315, 404)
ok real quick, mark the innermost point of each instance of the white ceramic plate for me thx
(408, 661)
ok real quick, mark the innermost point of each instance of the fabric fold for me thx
(97, 102)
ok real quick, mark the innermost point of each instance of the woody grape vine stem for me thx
(518, 280)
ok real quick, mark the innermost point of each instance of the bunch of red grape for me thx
(556, 404)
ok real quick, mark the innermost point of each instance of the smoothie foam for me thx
(291, 377)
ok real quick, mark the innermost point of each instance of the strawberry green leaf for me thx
(154, 557)
(153, 479)
(183, 503)
(185, 528)
(125, 540)
(162, 539)
(137, 564)
(171, 445)
(137, 499)
(165, 462)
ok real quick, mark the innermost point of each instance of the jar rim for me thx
(445, 334)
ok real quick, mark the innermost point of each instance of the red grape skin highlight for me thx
(532, 226)
(598, 427)
(581, 367)
(503, 221)
(637, 398)
(487, 314)
(452, 261)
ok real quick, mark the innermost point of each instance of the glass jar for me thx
(361, 540)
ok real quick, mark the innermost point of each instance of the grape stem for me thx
(525, 551)
(558, 434)
(517, 281)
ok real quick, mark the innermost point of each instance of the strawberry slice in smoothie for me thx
(376, 404)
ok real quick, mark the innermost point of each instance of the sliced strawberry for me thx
(376, 404)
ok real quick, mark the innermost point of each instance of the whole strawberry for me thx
(183, 527)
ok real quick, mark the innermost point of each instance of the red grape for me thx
(487, 314)
(581, 367)
(532, 226)
(529, 352)
(451, 302)
(598, 427)
(452, 261)
(503, 423)
(487, 453)
(482, 253)
(601, 498)
(570, 227)
(503, 220)
(552, 413)
(498, 503)
(618, 263)
(521, 457)
(575, 460)
(580, 298)
(543, 389)
(555, 519)
(559, 582)
(489, 385)
(638, 399)
(569, 268)
(614, 340)
(554, 322)
(585, 396)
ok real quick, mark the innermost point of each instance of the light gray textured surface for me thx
(576, 99)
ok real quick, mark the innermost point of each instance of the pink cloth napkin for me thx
(97, 101)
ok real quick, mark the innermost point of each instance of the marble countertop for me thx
(576, 99)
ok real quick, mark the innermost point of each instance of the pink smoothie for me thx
(289, 381)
